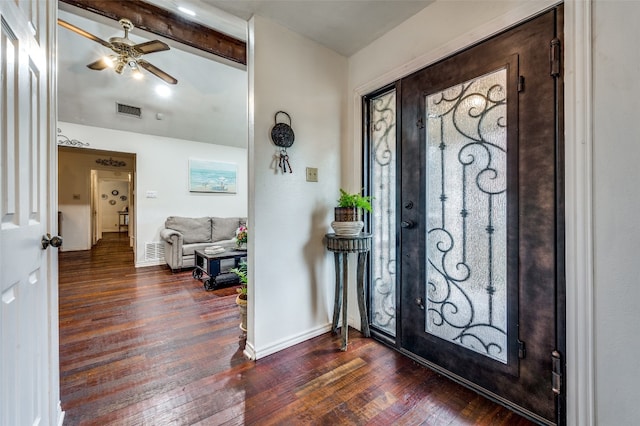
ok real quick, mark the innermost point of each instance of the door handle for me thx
(407, 224)
(420, 302)
(48, 240)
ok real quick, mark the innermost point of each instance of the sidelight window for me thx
(382, 186)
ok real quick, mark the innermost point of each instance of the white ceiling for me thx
(209, 103)
(344, 26)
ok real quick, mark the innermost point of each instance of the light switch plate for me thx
(312, 174)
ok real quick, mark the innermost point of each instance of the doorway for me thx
(95, 194)
(113, 206)
(478, 268)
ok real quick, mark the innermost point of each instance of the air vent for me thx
(154, 251)
(129, 110)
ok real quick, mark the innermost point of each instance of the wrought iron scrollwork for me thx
(111, 162)
(63, 140)
(383, 126)
(466, 224)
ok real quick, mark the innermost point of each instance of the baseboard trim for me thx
(60, 414)
(150, 263)
(249, 351)
(290, 341)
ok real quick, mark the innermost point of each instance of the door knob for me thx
(406, 224)
(420, 302)
(48, 240)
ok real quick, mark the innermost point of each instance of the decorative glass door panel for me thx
(466, 138)
(382, 137)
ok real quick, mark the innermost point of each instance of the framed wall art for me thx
(212, 176)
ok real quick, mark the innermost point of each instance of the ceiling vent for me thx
(129, 110)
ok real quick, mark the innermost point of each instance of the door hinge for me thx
(520, 83)
(420, 123)
(556, 373)
(522, 352)
(554, 57)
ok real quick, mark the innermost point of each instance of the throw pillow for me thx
(224, 228)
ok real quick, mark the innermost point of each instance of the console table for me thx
(341, 246)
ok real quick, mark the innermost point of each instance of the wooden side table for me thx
(123, 220)
(341, 246)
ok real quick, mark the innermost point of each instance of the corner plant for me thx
(241, 272)
(354, 200)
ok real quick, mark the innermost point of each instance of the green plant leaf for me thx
(354, 200)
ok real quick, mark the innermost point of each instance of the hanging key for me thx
(286, 163)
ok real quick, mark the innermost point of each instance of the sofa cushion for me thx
(193, 230)
(189, 249)
(224, 228)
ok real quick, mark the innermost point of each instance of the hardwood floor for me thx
(149, 347)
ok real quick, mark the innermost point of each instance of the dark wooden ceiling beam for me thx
(164, 23)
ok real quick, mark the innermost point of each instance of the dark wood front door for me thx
(481, 278)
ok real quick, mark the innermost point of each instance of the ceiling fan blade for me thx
(157, 71)
(150, 47)
(98, 65)
(83, 33)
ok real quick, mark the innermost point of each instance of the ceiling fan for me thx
(127, 53)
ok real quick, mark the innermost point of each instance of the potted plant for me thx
(350, 206)
(241, 237)
(348, 213)
(241, 300)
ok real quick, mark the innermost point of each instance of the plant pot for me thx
(347, 214)
(348, 221)
(242, 307)
(347, 229)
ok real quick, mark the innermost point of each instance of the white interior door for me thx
(29, 389)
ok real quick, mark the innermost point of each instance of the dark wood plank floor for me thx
(149, 347)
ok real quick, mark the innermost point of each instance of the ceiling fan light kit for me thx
(127, 53)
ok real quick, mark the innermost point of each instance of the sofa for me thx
(182, 236)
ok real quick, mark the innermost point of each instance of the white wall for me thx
(162, 166)
(291, 273)
(616, 203)
(109, 207)
(430, 30)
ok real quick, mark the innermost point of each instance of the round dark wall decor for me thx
(104, 196)
(123, 197)
(282, 133)
(114, 192)
(112, 202)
